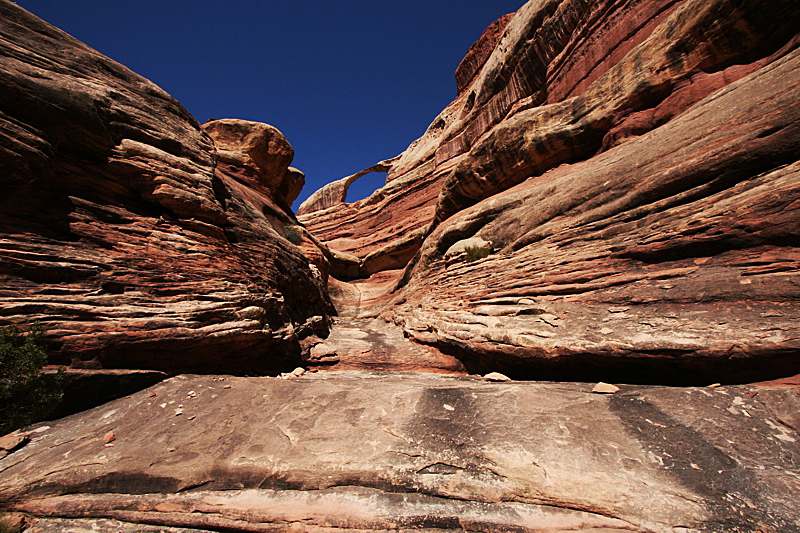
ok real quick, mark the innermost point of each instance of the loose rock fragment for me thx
(605, 388)
(496, 376)
(12, 442)
(323, 353)
(109, 437)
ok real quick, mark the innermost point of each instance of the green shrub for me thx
(293, 234)
(477, 252)
(7, 525)
(26, 396)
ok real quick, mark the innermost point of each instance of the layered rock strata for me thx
(675, 252)
(381, 232)
(612, 196)
(134, 239)
(479, 53)
(630, 170)
(545, 96)
(366, 452)
(532, 113)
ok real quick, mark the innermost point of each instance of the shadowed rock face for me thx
(366, 452)
(128, 233)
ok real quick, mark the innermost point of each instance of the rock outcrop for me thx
(381, 232)
(128, 233)
(633, 171)
(479, 53)
(675, 252)
(613, 196)
(366, 452)
(552, 53)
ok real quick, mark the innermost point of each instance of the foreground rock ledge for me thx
(361, 451)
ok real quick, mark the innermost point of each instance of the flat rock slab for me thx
(370, 451)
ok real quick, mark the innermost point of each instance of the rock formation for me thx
(135, 240)
(479, 53)
(632, 171)
(613, 196)
(367, 452)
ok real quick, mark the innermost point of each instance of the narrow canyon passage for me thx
(359, 340)
(612, 196)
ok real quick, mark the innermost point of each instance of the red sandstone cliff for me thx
(632, 169)
(136, 240)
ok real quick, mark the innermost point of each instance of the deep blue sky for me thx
(349, 83)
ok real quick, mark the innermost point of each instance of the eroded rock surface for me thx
(625, 175)
(373, 344)
(675, 252)
(128, 233)
(365, 451)
(631, 170)
(556, 83)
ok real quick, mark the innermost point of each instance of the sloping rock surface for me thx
(128, 233)
(366, 452)
(632, 171)
(373, 344)
(629, 168)
(675, 252)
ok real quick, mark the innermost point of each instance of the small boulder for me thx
(323, 353)
(12, 442)
(605, 388)
(496, 376)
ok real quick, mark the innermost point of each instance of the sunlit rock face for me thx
(612, 196)
(136, 240)
(644, 227)
(364, 451)
(633, 171)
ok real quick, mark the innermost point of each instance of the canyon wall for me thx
(631, 171)
(613, 195)
(140, 239)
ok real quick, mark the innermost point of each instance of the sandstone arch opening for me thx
(363, 186)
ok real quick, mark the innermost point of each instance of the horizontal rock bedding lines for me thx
(136, 240)
(160, 196)
(653, 170)
(680, 245)
(475, 147)
(646, 231)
